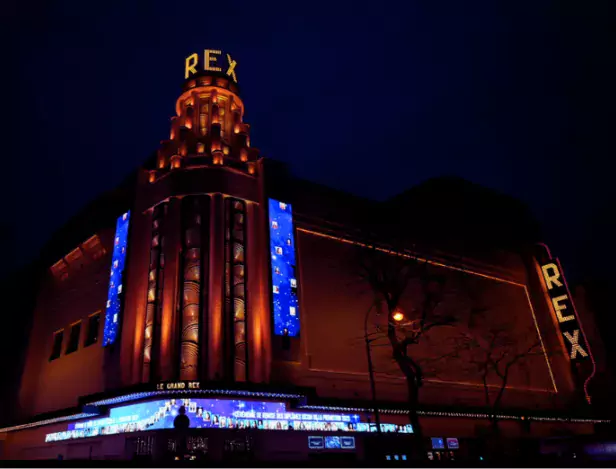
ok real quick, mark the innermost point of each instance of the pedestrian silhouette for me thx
(181, 424)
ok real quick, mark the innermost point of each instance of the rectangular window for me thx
(73, 339)
(56, 349)
(203, 123)
(92, 332)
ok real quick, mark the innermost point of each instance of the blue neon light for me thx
(114, 299)
(212, 413)
(284, 269)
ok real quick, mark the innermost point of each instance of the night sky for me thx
(516, 96)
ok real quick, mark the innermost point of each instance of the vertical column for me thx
(191, 288)
(235, 287)
(131, 356)
(205, 276)
(154, 292)
(215, 317)
(258, 321)
(167, 338)
(262, 224)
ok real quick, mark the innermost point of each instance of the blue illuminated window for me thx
(285, 304)
(114, 295)
(438, 443)
(452, 443)
(316, 442)
(332, 442)
(347, 442)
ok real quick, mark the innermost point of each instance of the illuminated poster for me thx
(285, 302)
(114, 295)
(212, 413)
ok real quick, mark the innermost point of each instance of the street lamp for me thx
(397, 316)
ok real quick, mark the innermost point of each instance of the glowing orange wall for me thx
(333, 351)
(51, 385)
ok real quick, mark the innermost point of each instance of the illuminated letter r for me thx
(551, 279)
(191, 62)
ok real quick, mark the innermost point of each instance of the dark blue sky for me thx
(516, 96)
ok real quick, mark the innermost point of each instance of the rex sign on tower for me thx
(211, 60)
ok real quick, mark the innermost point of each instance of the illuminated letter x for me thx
(575, 347)
(231, 71)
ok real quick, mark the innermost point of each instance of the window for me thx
(92, 332)
(56, 349)
(203, 123)
(93, 247)
(60, 269)
(73, 339)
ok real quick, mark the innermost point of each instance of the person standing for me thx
(181, 423)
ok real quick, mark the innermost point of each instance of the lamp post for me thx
(375, 406)
(397, 316)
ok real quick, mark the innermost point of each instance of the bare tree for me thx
(494, 353)
(388, 276)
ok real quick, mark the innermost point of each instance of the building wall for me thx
(333, 356)
(57, 384)
(330, 354)
(214, 187)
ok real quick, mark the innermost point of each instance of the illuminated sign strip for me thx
(172, 391)
(565, 314)
(285, 303)
(431, 413)
(47, 422)
(327, 408)
(217, 414)
(189, 389)
(450, 267)
(114, 299)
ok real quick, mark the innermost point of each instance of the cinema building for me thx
(218, 281)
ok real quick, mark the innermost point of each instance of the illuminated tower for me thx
(208, 128)
(198, 309)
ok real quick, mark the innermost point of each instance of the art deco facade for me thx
(232, 279)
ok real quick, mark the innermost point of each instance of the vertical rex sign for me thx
(565, 315)
(113, 312)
